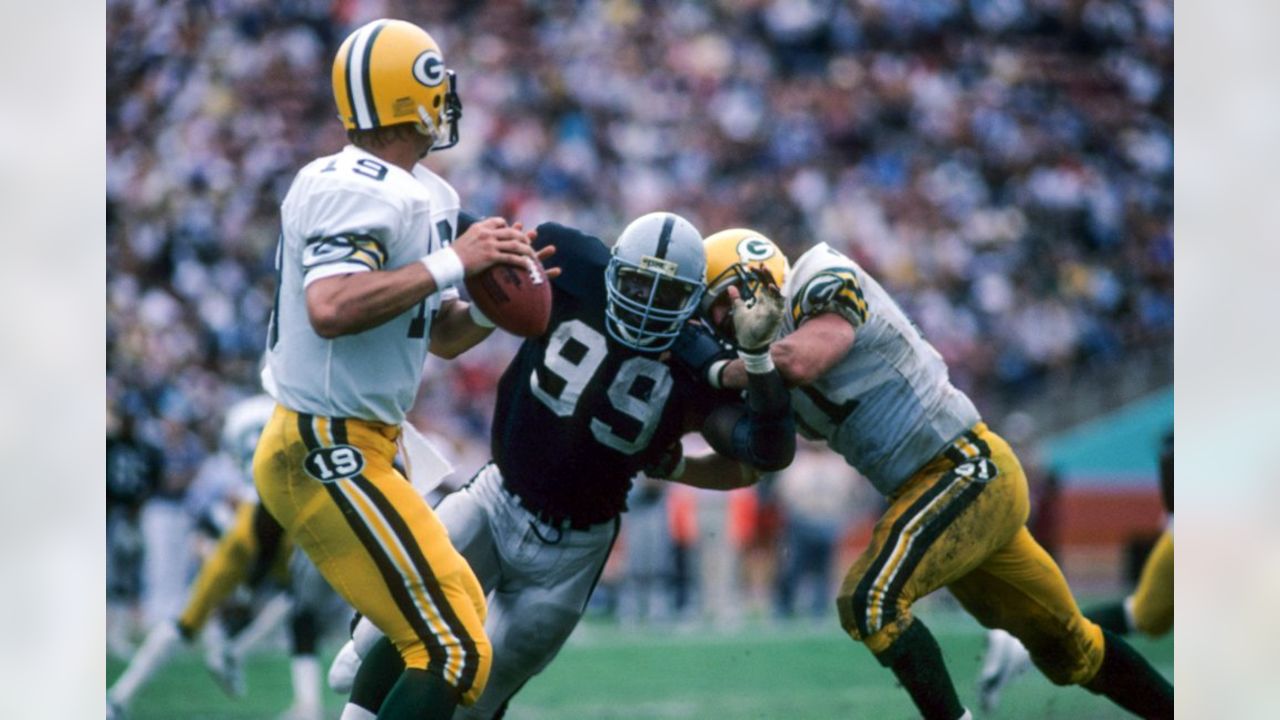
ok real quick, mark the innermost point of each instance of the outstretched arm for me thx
(762, 433)
(803, 356)
(713, 471)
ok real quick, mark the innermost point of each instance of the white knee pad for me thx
(342, 672)
(364, 636)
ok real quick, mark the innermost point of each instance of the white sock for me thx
(305, 670)
(267, 619)
(966, 716)
(991, 660)
(355, 712)
(159, 644)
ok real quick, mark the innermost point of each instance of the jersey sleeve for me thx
(696, 348)
(465, 221)
(347, 232)
(833, 288)
(581, 258)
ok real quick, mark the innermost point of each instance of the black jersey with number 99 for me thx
(578, 414)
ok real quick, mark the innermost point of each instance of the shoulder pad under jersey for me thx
(825, 281)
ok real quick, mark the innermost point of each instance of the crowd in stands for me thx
(1003, 167)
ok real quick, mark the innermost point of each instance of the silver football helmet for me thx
(654, 280)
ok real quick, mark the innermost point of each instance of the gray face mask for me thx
(654, 281)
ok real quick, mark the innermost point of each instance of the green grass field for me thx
(761, 672)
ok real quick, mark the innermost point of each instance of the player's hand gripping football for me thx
(756, 319)
(492, 241)
(491, 245)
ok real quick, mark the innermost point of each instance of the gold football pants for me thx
(331, 484)
(230, 564)
(1151, 604)
(960, 523)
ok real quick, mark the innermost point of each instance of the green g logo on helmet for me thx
(754, 248)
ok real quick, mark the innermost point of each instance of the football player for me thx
(1148, 609)
(134, 471)
(606, 391)
(868, 384)
(249, 552)
(367, 265)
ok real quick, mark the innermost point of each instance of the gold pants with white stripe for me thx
(331, 484)
(1151, 605)
(230, 564)
(960, 523)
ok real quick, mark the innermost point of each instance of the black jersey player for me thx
(607, 391)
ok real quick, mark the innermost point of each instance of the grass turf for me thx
(758, 672)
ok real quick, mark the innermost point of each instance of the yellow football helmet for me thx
(731, 254)
(390, 72)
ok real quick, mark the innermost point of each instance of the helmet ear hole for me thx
(435, 102)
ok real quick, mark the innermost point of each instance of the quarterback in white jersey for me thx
(867, 383)
(352, 212)
(367, 260)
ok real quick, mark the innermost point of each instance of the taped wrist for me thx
(715, 374)
(678, 471)
(445, 267)
(758, 362)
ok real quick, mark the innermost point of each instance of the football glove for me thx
(756, 319)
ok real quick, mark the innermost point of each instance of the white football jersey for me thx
(888, 406)
(345, 213)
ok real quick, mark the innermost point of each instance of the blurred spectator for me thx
(819, 495)
(647, 555)
(134, 468)
(755, 528)
(682, 526)
(1003, 166)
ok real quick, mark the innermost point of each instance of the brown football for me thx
(517, 300)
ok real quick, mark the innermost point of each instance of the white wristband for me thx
(715, 374)
(678, 471)
(757, 363)
(478, 317)
(445, 267)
